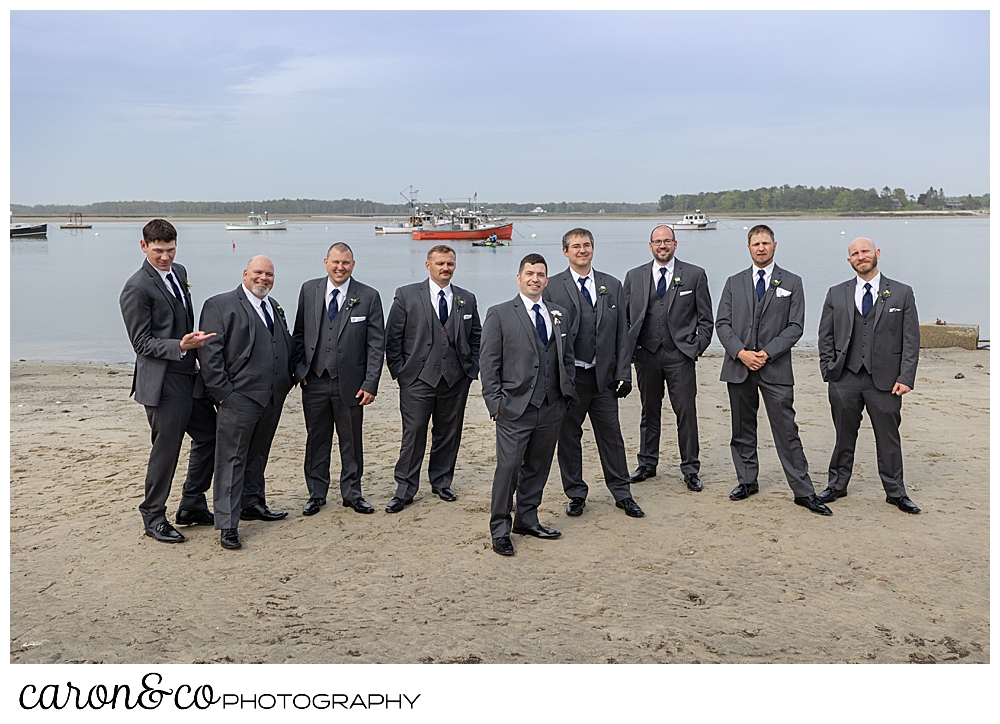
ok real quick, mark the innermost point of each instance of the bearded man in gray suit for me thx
(247, 368)
(595, 307)
(670, 324)
(527, 372)
(869, 345)
(339, 343)
(759, 320)
(159, 316)
(432, 349)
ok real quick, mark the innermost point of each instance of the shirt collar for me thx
(578, 277)
(254, 299)
(435, 288)
(669, 266)
(875, 281)
(768, 270)
(528, 304)
(330, 286)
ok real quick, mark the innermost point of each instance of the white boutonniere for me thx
(775, 283)
(352, 301)
(459, 301)
(281, 312)
(187, 283)
(678, 282)
(556, 316)
(602, 291)
(883, 295)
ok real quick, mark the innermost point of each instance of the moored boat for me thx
(419, 218)
(76, 222)
(694, 222)
(256, 222)
(466, 225)
(18, 231)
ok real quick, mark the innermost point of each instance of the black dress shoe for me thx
(631, 508)
(829, 495)
(742, 492)
(503, 546)
(230, 538)
(313, 505)
(575, 506)
(165, 533)
(904, 504)
(446, 494)
(396, 505)
(194, 517)
(641, 474)
(693, 482)
(261, 512)
(539, 531)
(812, 502)
(360, 505)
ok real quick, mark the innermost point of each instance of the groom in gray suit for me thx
(869, 345)
(759, 320)
(527, 372)
(595, 308)
(669, 314)
(247, 370)
(159, 317)
(432, 347)
(339, 343)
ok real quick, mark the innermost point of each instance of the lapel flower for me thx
(602, 290)
(352, 301)
(187, 284)
(280, 311)
(678, 282)
(883, 295)
(556, 316)
(775, 283)
(459, 301)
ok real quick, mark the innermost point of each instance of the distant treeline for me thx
(205, 208)
(825, 198)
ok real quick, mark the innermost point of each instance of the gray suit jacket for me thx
(780, 324)
(896, 333)
(224, 357)
(689, 316)
(361, 340)
(509, 358)
(409, 330)
(614, 355)
(148, 310)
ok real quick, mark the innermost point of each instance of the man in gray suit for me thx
(759, 320)
(669, 313)
(527, 372)
(248, 371)
(159, 316)
(432, 348)
(869, 345)
(595, 318)
(339, 342)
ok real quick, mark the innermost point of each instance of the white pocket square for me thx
(466, 316)
(895, 309)
(687, 292)
(562, 335)
(782, 292)
(357, 319)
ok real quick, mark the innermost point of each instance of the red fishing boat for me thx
(466, 225)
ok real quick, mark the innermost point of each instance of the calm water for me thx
(51, 279)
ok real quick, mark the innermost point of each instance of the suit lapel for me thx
(529, 329)
(671, 287)
(880, 299)
(646, 283)
(599, 302)
(187, 298)
(160, 284)
(251, 314)
(454, 324)
(749, 287)
(772, 288)
(319, 294)
(345, 311)
(430, 313)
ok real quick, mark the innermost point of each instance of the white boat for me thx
(694, 222)
(256, 222)
(419, 219)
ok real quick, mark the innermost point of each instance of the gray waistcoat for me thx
(325, 356)
(655, 330)
(585, 346)
(442, 359)
(859, 351)
(269, 357)
(185, 365)
(547, 383)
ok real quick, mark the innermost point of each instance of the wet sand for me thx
(699, 579)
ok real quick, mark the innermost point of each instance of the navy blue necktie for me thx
(540, 325)
(177, 289)
(760, 284)
(584, 292)
(866, 300)
(267, 317)
(661, 286)
(442, 307)
(332, 310)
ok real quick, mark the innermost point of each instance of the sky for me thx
(514, 106)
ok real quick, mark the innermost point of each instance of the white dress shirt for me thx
(255, 303)
(449, 295)
(341, 297)
(768, 270)
(590, 284)
(528, 304)
(859, 290)
(657, 266)
(163, 276)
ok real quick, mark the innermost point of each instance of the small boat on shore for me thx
(694, 222)
(256, 222)
(76, 222)
(18, 231)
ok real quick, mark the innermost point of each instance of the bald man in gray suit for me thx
(527, 371)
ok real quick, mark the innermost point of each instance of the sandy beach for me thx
(699, 579)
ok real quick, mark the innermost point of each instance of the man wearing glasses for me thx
(669, 312)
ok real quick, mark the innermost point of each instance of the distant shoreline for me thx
(354, 218)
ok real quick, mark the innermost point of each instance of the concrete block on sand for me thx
(965, 336)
